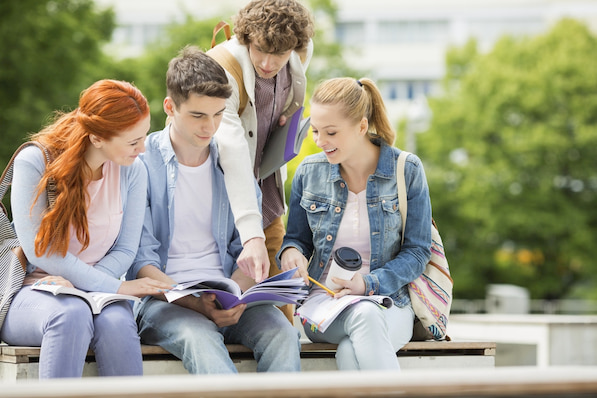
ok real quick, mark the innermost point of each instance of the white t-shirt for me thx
(193, 252)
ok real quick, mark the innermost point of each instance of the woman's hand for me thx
(292, 258)
(54, 280)
(354, 286)
(144, 287)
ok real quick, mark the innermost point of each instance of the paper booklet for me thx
(279, 290)
(96, 300)
(320, 310)
(284, 143)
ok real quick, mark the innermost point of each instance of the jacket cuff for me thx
(250, 227)
(371, 284)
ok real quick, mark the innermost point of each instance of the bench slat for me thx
(18, 354)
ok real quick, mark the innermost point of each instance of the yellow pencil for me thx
(322, 286)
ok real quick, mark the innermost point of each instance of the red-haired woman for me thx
(88, 239)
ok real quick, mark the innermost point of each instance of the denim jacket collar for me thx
(386, 165)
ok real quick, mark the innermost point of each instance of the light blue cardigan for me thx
(105, 275)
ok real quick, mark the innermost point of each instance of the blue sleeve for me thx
(148, 246)
(298, 231)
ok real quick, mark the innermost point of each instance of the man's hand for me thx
(207, 305)
(292, 258)
(253, 260)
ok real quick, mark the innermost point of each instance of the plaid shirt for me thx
(270, 97)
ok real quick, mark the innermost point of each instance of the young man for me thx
(189, 233)
(273, 46)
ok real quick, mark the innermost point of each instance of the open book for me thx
(279, 290)
(284, 143)
(96, 300)
(320, 310)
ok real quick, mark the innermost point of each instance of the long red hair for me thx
(106, 109)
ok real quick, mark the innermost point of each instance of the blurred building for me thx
(400, 43)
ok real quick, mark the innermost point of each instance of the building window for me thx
(412, 31)
(350, 33)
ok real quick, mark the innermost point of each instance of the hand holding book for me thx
(279, 289)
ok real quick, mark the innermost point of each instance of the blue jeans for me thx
(368, 336)
(200, 344)
(65, 329)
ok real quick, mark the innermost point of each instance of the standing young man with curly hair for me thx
(273, 46)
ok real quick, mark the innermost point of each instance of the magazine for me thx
(96, 300)
(320, 310)
(279, 290)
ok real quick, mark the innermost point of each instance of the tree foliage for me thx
(510, 158)
(148, 71)
(47, 46)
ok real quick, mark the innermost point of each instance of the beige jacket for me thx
(237, 138)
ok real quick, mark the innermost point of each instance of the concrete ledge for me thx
(498, 382)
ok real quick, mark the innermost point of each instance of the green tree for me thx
(510, 163)
(148, 71)
(46, 48)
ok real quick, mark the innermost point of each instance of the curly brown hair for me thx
(276, 26)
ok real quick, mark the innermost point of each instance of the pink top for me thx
(104, 216)
(353, 232)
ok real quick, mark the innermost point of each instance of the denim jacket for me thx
(162, 167)
(317, 204)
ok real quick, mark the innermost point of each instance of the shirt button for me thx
(394, 207)
(313, 207)
(342, 185)
(328, 238)
(321, 264)
(251, 134)
(338, 209)
(370, 293)
(383, 201)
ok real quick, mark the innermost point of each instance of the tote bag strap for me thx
(401, 185)
(6, 178)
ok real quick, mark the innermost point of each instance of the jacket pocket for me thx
(391, 216)
(316, 213)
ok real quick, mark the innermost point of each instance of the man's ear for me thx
(169, 106)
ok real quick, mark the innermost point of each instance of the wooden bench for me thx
(17, 363)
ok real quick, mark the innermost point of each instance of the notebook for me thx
(284, 143)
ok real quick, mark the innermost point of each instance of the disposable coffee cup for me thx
(345, 262)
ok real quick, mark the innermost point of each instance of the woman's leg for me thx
(367, 336)
(116, 342)
(62, 325)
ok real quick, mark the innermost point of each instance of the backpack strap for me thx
(401, 185)
(229, 62)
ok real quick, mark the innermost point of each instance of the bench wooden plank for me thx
(18, 354)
